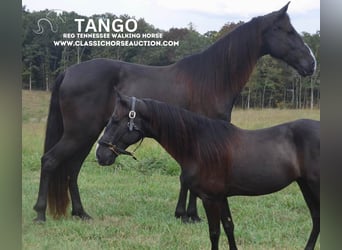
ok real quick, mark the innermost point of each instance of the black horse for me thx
(83, 98)
(220, 160)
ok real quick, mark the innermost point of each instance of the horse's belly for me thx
(258, 187)
(259, 183)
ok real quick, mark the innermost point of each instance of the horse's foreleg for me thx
(181, 204)
(311, 194)
(314, 233)
(213, 211)
(77, 208)
(228, 224)
(75, 166)
(192, 208)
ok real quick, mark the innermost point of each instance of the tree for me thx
(313, 41)
(272, 84)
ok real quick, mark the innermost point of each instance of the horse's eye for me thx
(276, 28)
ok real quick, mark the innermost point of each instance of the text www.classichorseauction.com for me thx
(125, 43)
(106, 32)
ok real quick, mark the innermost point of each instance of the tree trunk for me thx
(293, 94)
(47, 82)
(304, 100)
(78, 55)
(270, 100)
(30, 82)
(30, 77)
(248, 98)
(300, 93)
(296, 93)
(263, 97)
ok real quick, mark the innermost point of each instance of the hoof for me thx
(86, 217)
(40, 216)
(39, 220)
(82, 215)
(183, 217)
(195, 219)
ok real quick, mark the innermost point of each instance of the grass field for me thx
(133, 202)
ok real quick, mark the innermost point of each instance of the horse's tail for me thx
(58, 198)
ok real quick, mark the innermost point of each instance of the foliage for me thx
(273, 83)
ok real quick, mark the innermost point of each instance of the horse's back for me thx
(95, 73)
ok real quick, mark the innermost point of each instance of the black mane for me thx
(183, 133)
(233, 57)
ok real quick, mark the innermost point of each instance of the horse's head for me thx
(123, 129)
(282, 41)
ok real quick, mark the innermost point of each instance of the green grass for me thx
(133, 202)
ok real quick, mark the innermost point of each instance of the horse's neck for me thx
(228, 63)
(162, 126)
(239, 51)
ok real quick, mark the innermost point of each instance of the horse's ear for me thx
(141, 107)
(118, 95)
(121, 98)
(283, 10)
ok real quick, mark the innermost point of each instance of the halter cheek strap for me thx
(132, 126)
(132, 115)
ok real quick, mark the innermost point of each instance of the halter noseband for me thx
(131, 126)
(118, 151)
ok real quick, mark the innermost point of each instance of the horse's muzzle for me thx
(104, 156)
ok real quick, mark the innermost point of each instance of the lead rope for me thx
(133, 152)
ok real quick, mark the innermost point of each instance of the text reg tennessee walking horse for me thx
(83, 98)
(220, 160)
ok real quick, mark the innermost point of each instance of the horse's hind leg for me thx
(311, 196)
(228, 225)
(50, 161)
(41, 204)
